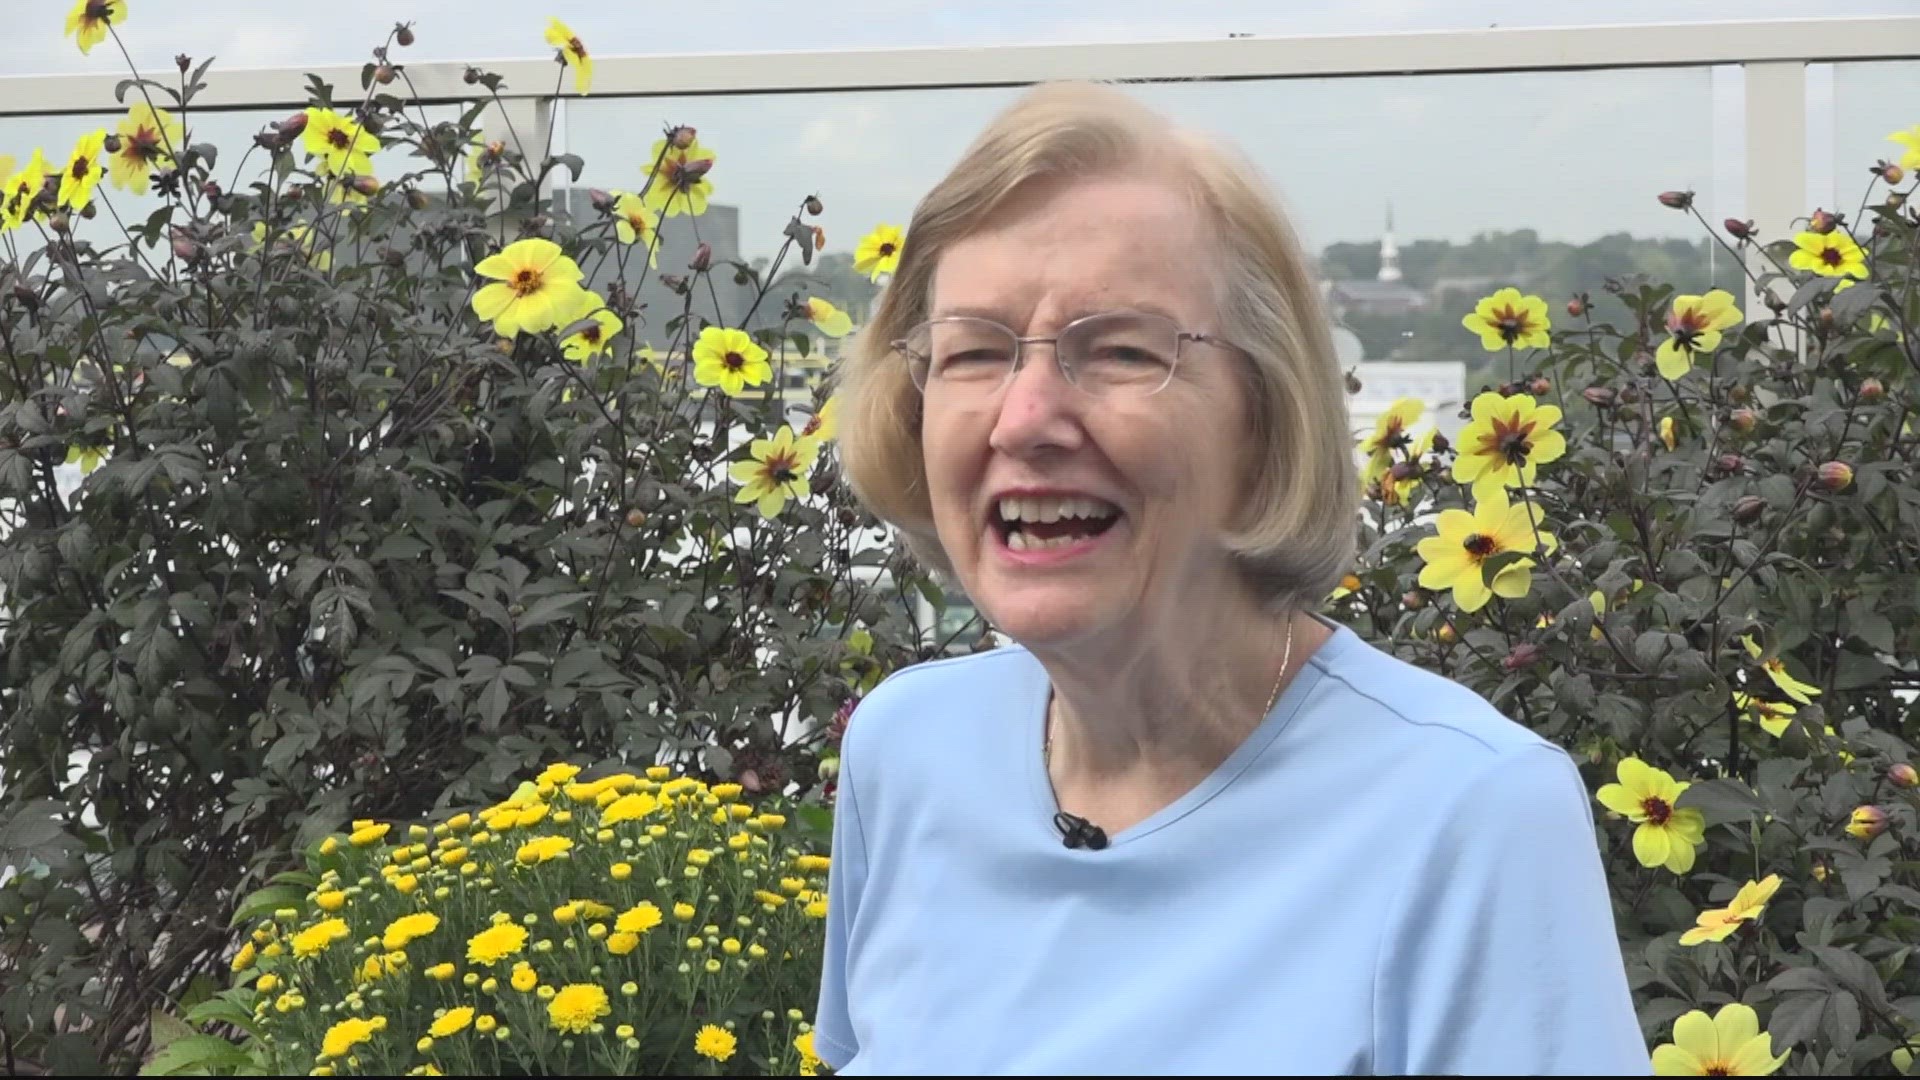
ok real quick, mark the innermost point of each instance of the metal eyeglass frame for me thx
(1181, 337)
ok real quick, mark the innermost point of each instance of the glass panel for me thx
(1418, 195)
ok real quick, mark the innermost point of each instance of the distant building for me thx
(1387, 294)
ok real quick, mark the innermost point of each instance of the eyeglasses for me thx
(1112, 354)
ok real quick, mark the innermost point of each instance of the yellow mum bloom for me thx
(1774, 717)
(1776, 669)
(560, 772)
(244, 959)
(639, 918)
(1646, 796)
(620, 871)
(1509, 319)
(267, 983)
(572, 54)
(535, 287)
(368, 835)
(680, 184)
(315, 939)
(87, 23)
(683, 912)
(1832, 254)
(331, 900)
(821, 428)
(620, 944)
(83, 171)
(496, 943)
(576, 1007)
(452, 1022)
(778, 472)
(1911, 140)
(345, 1035)
(1695, 323)
(341, 143)
(1467, 540)
(1507, 442)
(541, 849)
(145, 136)
(1716, 924)
(440, 972)
(812, 864)
(636, 223)
(879, 251)
(730, 360)
(770, 899)
(1729, 1044)
(826, 318)
(815, 909)
(524, 978)
(1389, 434)
(16, 199)
(595, 337)
(714, 1042)
(408, 928)
(629, 807)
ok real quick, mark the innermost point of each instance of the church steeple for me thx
(1389, 251)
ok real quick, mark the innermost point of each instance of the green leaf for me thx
(197, 1055)
(167, 1028)
(1796, 1019)
(1855, 973)
(1722, 801)
(265, 902)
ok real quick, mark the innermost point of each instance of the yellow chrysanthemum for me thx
(730, 360)
(1774, 717)
(535, 287)
(368, 834)
(809, 1060)
(1509, 319)
(83, 171)
(87, 23)
(244, 959)
(1910, 160)
(1669, 437)
(1507, 442)
(1390, 433)
(714, 1042)
(1832, 254)
(879, 251)
(1776, 669)
(571, 54)
(147, 136)
(680, 184)
(452, 1022)
(315, 939)
(541, 849)
(827, 319)
(22, 188)
(597, 336)
(1729, 1044)
(1695, 323)
(821, 427)
(1717, 923)
(524, 978)
(629, 807)
(778, 472)
(496, 943)
(342, 1037)
(576, 1007)
(342, 145)
(636, 223)
(1646, 796)
(1454, 559)
(409, 928)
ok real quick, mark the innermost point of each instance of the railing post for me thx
(1776, 157)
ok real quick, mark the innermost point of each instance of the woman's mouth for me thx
(1047, 524)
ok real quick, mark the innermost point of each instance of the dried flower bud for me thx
(1903, 775)
(1826, 318)
(1413, 600)
(1867, 822)
(112, 145)
(1598, 396)
(814, 207)
(364, 185)
(1730, 463)
(383, 74)
(183, 62)
(1773, 302)
(636, 518)
(59, 222)
(702, 258)
(1631, 394)
(470, 76)
(1403, 471)
(1822, 222)
(185, 247)
(1743, 419)
(1748, 508)
(675, 282)
(1354, 385)
(418, 199)
(1577, 306)
(403, 35)
(682, 137)
(1540, 386)
(1524, 654)
(1739, 230)
(1836, 475)
(695, 169)
(211, 189)
(1676, 200)
(601, 200)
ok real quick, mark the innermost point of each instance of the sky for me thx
(1571, 154)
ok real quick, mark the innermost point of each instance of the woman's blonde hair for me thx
(1302, 503)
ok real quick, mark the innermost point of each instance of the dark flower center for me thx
(1832, 257)
(1480, 546)
(735, 361)
(1657, 810)
(783, 468)
(100, 10)
(526, 282)
(886, 250)
(1512, 324)
(579, 50)
(338, 138)
(82, 166)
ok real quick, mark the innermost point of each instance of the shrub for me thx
(363, 530)
(613, 926)
(1683, 540)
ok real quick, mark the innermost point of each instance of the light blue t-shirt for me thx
(1388, 876)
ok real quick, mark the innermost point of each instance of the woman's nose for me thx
(1038, 407)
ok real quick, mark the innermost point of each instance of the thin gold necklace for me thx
(1286, 661)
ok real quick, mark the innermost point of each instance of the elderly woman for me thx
(1184, 824)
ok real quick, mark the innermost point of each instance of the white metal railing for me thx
(1773, 55)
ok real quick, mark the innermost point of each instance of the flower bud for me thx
(682, 137)
(1440, 443)
(1739, 230)
(1892, 173)
(1413, 600)
(829, 768)
(1523, 655)
(1631, 395)
(1354, 385)
(1743, 419)
(694, 170)
(1446, 633)
(418, 199)
(1822, 222)
(383, 74)
(1773, 302)
(183, 62)
(1577, 306)
(403, 34)
(1748, 508)
(1540, 386)
(702, 258)
(364, 185)
(1826, 318)
(1403, 471)
(470, 76)
(1598, 396)
(185, 247)
(58, 222)
(211, 189)
(1836, 475)
(1872, 389)
(636, 517)
(112, 145)
(1730, 463)
(814, 207)
(1676, 200)
(600, 200)
(1903, 775)
(1867, 822)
